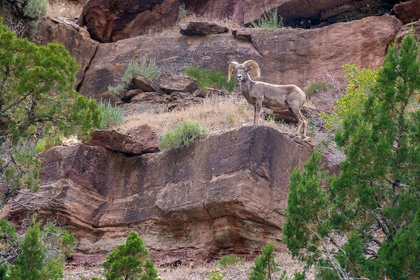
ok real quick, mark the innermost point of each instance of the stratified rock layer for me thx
(77, 43)
(224, 194)
(113, 20)
(286, 56)
(294, 13)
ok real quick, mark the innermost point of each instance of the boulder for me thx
(172, 83)
(224, 194)
(128, 95)
(408, 11)
(415, 26)
(286, 56)
(81, 47)
(201, 29)
(110, 21)
(137, 141)
(144, 84)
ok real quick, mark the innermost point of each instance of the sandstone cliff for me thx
(224, 194)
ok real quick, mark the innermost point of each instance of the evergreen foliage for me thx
(364, 223)
(210, 78)
(182, 135)
(39, 254)
(264, 265)
(37, 101)
(130, 261)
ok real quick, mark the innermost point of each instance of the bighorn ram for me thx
(274, 97)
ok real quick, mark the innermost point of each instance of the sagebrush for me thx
(230, 260)
(269, 20)
(182, 135)
(111, 115)
(145, 67)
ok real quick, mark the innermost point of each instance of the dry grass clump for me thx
(218, 114)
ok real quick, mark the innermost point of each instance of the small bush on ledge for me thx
(187, 132)
(230, 260)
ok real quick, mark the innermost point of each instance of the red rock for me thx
(140, 82)
(408, 11)
(110, 21)
(172, 83)
(286, 56)
(137, 141)
(223, 194)
(201, 29)
(78, 45)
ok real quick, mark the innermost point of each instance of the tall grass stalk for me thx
(269, 20)
(110, 115)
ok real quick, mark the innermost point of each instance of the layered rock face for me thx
(77, 43)
(286, 56)
(224, 194)
(295, 13)
(113, 20)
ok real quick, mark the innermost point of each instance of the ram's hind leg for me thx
(257, 111)
(301, 121)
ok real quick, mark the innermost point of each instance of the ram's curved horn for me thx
(231, 65)
(254, 65)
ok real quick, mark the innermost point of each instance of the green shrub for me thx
(210, 78)
(147, 69)
(35, 8)
(110, 115)
(264, 265)
(182, 11)
(230, 260)
(47, 143)
(216, 274)
(130, 261)
(269, 20)
(39, 254)
(359, 85)
(315, 87)
(187, 132)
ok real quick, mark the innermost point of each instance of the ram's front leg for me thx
(257, 111)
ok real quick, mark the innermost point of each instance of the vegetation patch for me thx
(145, 67)
(230, 260)
(317, 87)
(269, 20)
(130, 261)
(182, 135)
(210, 78)
(364, 222)
(111, 115)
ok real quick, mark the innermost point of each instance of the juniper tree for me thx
(37, 100)
(264, 265)
(359, 223)
(130, 261)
